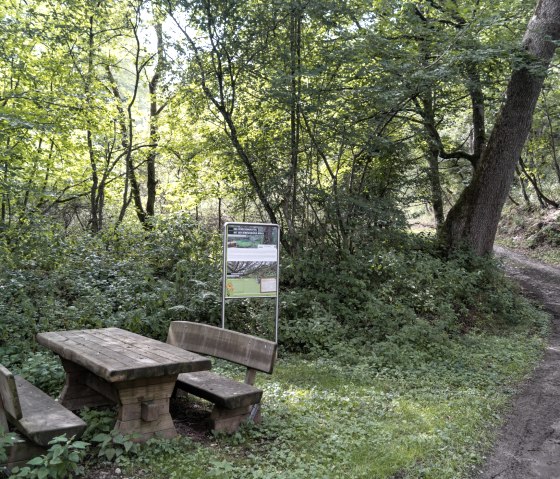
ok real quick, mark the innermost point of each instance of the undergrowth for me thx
(535, 231)
(324, 419)
(394, 362)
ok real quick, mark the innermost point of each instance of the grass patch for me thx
(323, 419)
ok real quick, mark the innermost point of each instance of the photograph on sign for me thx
(252, 260)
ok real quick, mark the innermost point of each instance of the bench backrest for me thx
(9, 394)
(255, 353)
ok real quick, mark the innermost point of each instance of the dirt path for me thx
(529, 443)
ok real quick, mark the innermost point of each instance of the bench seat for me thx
(235, 402)
(224, 392)
(36, 416)
(42, 417)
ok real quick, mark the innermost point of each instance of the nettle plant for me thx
(61, 461)
(110, 445)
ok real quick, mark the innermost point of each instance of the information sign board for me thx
(251, 260)
(251, 263)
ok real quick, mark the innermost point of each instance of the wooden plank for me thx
(77, 350)
(221, 413)
(144, 390)
(134, 410)
(229, 420)
(105, 353)
(251, 351)
(130, 353)
(149, 411)
(139, 426)
(101, 386)
(92, 400)
(42, 417)
(3, 418)
(223, 391)
(163, 353)
(9, 394)
(159, 351)
(75, 394)
(250, 376)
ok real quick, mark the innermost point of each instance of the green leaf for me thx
(109, 453)
(100, 437)
(80, 445)
(119, 439)
(36, 461)
(74, 457)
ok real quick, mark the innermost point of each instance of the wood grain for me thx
(220, 390)
(251, 351)
(42, 417)
(9, 394)
(117, 355)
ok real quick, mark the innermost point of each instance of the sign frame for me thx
(254, 258)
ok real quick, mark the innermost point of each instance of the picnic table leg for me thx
(144, 407)
(75, 393)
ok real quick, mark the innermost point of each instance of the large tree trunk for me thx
(473, 220)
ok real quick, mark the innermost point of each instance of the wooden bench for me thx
(35, 415)
(234, 401)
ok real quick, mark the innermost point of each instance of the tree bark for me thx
(426, 106)
(151, 183)
(473, 220)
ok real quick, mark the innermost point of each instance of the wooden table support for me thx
(113, 366)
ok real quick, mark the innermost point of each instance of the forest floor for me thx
(528, 445)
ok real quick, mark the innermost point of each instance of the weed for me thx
(62, 461)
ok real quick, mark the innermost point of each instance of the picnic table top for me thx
(117, 355)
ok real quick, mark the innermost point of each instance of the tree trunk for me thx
(555, 163)
(531, 178)
(427, 112)
(151, 183)
(523, 187)
(477, 101)
(295, 116)
(473, 220)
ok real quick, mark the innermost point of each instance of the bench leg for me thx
(229, 420)
(21, 451)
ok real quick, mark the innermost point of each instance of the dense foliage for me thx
(328, 119)
(130, 131)
(141, 280)
(392, 349)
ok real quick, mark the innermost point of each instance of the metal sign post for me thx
(251, 264)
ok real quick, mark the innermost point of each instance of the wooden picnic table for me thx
(114, 366)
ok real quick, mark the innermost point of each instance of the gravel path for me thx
(529, 443)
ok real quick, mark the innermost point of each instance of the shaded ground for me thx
(529, 442)
(191, 419)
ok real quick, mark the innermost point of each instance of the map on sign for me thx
(251, 258)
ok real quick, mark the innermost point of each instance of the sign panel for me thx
(251, 260)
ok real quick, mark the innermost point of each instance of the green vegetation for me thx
(131, 131)
(322, 418)
(62, 461)
(536, 232)
(393, 360)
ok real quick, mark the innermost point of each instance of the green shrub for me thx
(44, 370)
(392, 297)
(62, 461)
